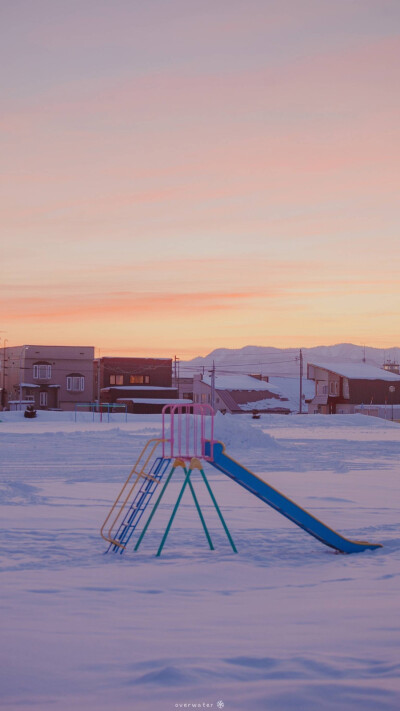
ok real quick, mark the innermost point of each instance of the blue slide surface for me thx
(281, 503)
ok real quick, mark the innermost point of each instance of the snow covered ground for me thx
(284, 624)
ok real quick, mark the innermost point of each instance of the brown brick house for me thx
(143, 384)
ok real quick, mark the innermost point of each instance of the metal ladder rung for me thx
(133, 506)
(144, 492)
(148, 476)
(137, 508)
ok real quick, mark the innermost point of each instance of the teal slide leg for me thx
(199, 511)
(164, 538)
(221, 518)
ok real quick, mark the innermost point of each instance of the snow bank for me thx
(64, 421)
(237, 431)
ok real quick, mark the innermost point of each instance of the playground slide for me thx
(281, 503)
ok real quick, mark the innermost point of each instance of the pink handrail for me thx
(191, 426)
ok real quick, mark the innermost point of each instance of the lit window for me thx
(116, 379)
(42, 371)
(139, 379)
(75, 383)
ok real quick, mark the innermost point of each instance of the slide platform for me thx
(281, 503)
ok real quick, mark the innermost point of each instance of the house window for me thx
(42, 371)
(116, 379)
(325, 389)
(75, 383)
(139, 379)
(43, 399)
(203, 397)
(334, 387)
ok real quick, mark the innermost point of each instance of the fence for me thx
(102, 409)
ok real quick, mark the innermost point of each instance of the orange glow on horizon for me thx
(163, 192)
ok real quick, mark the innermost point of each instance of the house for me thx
(239, 394)
(144, 385)
(341, 387)
(184, 386)
(48, 377)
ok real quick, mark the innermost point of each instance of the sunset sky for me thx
(182, 175)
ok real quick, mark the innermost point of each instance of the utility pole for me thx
(22, 355)
(301, 382)
(98, 382)
(3, 392)
(392, 390)
(213, 386)
(175, 369)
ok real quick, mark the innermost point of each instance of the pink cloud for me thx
(122, 305)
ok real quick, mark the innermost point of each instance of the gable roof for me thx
(358, 371)
(238, 382)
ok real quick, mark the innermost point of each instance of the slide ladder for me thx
(134, 497)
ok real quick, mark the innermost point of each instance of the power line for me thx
(239, 354)
(239, 365)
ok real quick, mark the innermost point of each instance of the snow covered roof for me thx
(35, 385)
(290, 388)
(154, 401)
(138, 387)
(24, 401)
(358, 371)
(238, 382)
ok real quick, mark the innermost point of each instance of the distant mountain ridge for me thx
(268, 360)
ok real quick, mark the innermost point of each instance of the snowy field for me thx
(284, 624)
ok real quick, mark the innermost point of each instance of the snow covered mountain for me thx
(285, 361)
